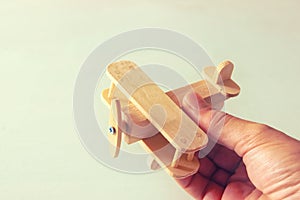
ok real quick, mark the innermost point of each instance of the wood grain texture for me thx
(220, 78)
(162, 151)
(203, 88)
(158, 108)
(216, 89)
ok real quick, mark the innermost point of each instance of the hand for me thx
(249, 161)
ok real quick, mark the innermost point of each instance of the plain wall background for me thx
(44, 43)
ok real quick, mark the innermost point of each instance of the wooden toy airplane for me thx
(141, 111)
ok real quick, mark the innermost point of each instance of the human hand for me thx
(249, 161)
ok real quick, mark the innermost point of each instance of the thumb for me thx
(232, 132)
(269, 155)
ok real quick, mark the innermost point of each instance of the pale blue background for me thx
(44, 43)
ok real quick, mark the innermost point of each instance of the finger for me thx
(212, 191)
(209, 170)
(224, 158)
(221, 177)
(238, 190)
(240, 174)
(207, 167)
(232, 132)
(199, 186)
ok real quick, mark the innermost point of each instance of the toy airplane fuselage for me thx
(143, 112)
